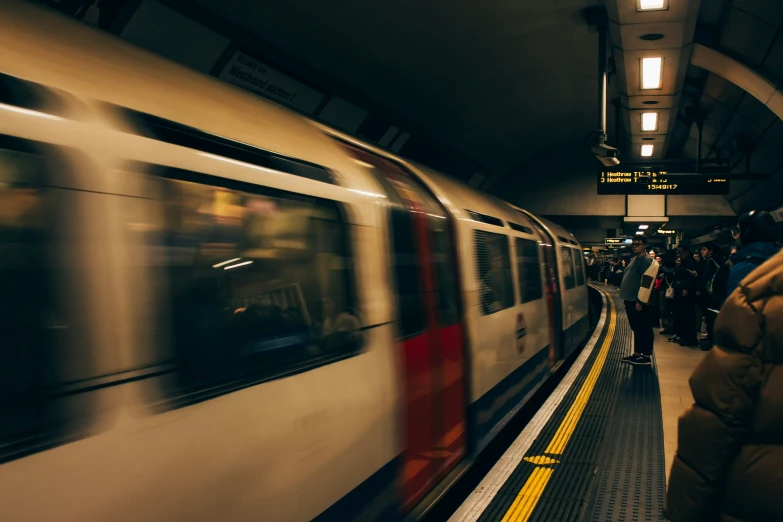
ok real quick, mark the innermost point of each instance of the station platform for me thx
(600, 447)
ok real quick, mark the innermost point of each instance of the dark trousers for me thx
(708, 302)
(685, 318)
(666, 307)
(642, 326)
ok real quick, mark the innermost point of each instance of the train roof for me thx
(74, 57)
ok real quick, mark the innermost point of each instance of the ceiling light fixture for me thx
(648, 139)
(651, 37)
(652, 72)
(650, 5)
(238, 264)
(647, 151)
(640, 232)
(649, 121)
(650, 102)
(644, 227)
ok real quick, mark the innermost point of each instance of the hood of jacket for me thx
(759, 249)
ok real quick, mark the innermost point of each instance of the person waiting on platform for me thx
(708, 291)
(639, 315)
(757, 235)
(686, 276)
(729, 460)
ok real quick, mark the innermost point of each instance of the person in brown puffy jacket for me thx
(729, 462)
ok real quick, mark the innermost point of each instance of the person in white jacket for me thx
(635, 293)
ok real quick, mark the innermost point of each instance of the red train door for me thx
(430, 331)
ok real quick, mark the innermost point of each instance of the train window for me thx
(493, 271)
(21, 93)
(483, 218)
(444, 272)
(520, 228)
(260, 281)
(28, 309)
(410, 309)
(562, 239)
(186, 136)
(578, 264)
(529, 270)
(568, 267)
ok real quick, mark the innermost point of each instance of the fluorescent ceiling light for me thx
(647, 150)
(640, 232)
(645, 5)
(238, 264)
(644, 227)
(649, 121)
(226, 262)
(651, 72)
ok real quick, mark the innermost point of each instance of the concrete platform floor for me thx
(674, 364)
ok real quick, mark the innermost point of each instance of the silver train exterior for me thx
(213, 308)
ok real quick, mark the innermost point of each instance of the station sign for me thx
(660, 182)
(618, 240)
(255, 76)
(666, 232)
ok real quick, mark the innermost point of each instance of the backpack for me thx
(709, 287)
(716, 287)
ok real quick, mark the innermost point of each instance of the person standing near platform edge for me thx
(638, 313)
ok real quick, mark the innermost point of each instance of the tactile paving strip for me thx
(618, 439)
(631, 483)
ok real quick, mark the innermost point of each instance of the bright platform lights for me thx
(647, 151)
(651, 72)
(640, 232)
(649, 121)
(646, 5)
(644, 227)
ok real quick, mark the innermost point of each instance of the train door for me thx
(430, 332)
(553, 294)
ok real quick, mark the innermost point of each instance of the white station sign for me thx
(252, 75)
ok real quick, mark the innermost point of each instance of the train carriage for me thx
(215, 308)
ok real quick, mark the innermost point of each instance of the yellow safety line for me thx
(531, 492)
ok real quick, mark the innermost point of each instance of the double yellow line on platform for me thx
(531, 492)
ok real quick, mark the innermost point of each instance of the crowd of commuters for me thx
(729, 461)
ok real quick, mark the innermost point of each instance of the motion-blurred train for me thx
(212, 308)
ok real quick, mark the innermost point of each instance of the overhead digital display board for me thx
(618, 240)
(659, 182)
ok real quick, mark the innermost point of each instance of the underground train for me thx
(213, 308)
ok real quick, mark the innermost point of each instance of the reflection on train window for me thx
(260, 284)
(444, 271)
(494, 272)
(568, 267)
(578, 260)
(27, 309)
(529, 270)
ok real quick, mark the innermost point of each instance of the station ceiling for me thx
(496, 81)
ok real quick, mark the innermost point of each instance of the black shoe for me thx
(692, 342)
(674, 339)
(705, 346)
(665, 332)
(629, 359)
(641, 360)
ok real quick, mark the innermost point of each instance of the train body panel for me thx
(507, 342)
(215, 283)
